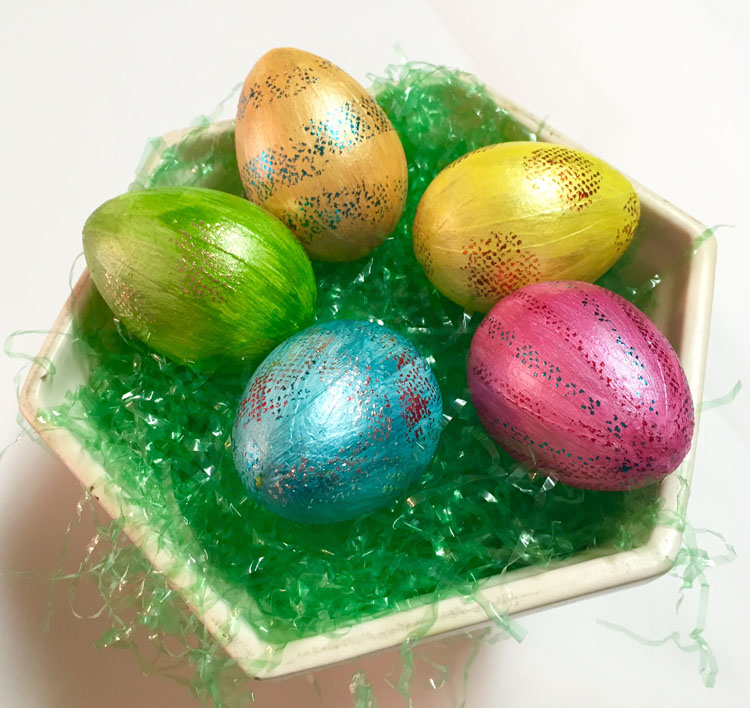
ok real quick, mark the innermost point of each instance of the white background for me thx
(659, 89)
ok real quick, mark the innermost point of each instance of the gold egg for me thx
(316, 150)
(509, 215)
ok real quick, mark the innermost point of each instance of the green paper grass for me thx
(163, 430)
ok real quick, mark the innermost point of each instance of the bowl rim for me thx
(517, 591)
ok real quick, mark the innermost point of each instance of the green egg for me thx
(201, 276)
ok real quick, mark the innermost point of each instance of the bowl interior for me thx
(680, 283)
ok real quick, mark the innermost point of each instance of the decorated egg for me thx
(201, 276)
(508, 215)
(336, 422)
(316, 150)
(576, 382)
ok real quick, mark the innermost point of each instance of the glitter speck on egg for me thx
(576, 382)
(337, 421)
(316, 150)
(203, 277)
(517, 213)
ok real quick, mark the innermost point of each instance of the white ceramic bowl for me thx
(683, 312)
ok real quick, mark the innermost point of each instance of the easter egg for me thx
(576, 382)
(508, 215)
(316, 150)
(201, 276)
(336, 422)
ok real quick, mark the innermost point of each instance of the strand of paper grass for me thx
(41, 361)
(540, 128)
(21, 433)
(651, 283)
(724, 400)
(407, 650)
(25, 430)
(690, 566)
(109, 557)
(73, 267)
(361, 690)
(501, 620)
(478, 640)
(216, 112)
(57, 574)
(436, 683)
(45, 363)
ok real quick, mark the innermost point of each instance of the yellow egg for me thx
(316, 150)
(508, 215)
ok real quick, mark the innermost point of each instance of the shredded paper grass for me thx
(162, 432)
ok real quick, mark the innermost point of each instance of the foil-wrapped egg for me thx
(336, 422)
(576, 382)
(201, 276)
(315, 149)
(512, 214)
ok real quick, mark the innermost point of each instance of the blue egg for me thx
(336, 422)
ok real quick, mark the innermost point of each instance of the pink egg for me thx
(576, 382)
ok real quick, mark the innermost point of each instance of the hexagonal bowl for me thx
(683, 312)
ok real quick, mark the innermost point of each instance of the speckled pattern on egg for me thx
(316, 150)
(574, 381)
(336, 422)
(205, 278)
(507, 215)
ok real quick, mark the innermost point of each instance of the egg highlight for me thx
(203, 277)
(508, 215)
(316, 150)
(574, 381)
(337, 421)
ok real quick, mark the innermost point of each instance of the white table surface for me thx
(659, 89)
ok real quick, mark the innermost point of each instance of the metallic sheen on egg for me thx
(336, 422)
(203, 277)
(316, 150)
(508, 215)
(576, 382)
